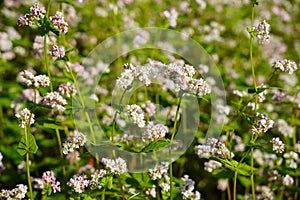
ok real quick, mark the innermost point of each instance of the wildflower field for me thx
(150, 99)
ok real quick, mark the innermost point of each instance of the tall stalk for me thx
(27, 132)
(170, 150)
(84, 108)
(59, 143)
(256, 104)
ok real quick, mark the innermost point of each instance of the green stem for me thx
(171, 175)
(234, 185)
(121, 187)
(62, 161)
(228, 190)
(251, 51)
(176, 117)
(84, 108)
(252, 173)
(27, 162)
(115, 116)
(256, 104)
(103, 194)
(170, 150)
(295, 149)
(47, 62)
(48, 8)
(1, 122)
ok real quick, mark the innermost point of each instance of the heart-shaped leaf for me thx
(32, 146)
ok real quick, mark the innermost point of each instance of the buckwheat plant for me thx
(61, 101)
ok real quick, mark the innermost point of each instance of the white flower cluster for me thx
(17, 193)
(37, 183)
(285, 129)
(223, 112)
(285, 65)
(262, 95)
(2, 167)
(159, 171)
(278, 145)
(58, 21)
(117, 166)
(36, 13)
(25, 117)
(175, 76)
(136, 114)
(67, 89)
(262, 125)
(74, 141)
(49, 178)
(78, 183)
(30, 79)
(154, 132)
(211, 165)
(291, 159)
(213, 148)
(222, 184)
(55, 100)
(150, 108)
(171, 16)
(262, 32)
(151, 191)
(278, 96)
(38, 45)
(126, 77)
(265, 193)
(287, 180)
(266, 159)
(96, 175)
(57, 51)
(187, 189)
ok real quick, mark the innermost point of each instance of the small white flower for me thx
(136, 114)
(117, 166)
(74, 141)
(287, 180)
(55, 100)
(262, 32)
(285, 66)
(25, 117)
(262, 125)
(278, 145)
(159, 170)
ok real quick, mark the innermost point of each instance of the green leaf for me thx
(55, 31)
(45, 26)
(156, 145)
(246, 182)
(109, 182)
(133, 182)
(32, 146)
(257, 91)
(53, 126)
(241, 168)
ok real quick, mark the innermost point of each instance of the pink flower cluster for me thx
(55, 100)
(49, 178)
(58, 21)
(57, 51)
(36, 13)
(30, 79)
